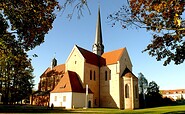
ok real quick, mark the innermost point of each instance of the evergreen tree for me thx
(143, 85)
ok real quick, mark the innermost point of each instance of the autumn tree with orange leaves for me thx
(165, 18)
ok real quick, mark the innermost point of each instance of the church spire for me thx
(98, 47)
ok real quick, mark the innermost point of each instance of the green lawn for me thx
(158, 110)
(39, 109)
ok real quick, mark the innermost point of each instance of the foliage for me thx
(27, 20)
(164, 19)
(143, 83)
(152, 88)
(24, 24)
(154, 98)
(16, 79)
(149, 95)
(78, 6)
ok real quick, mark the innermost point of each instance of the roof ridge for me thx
(122, 50)
(116, 50)
(171, 89)
(89, 56)
(59, 65)
(44, 72)
(84, 49)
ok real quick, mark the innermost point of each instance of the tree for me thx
(152, 88)
(15, 69)
(164, 19)
(154, 98)
(24, 24)
(78, 6)
(143, 85)
(28, 20)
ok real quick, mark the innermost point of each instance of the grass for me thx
(157, 110)
(40, 109)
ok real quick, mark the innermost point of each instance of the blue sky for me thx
(66, 33)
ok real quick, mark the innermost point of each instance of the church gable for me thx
(50, 78)
(113, 56)
(125, 61)
(75, 55)
(84, 55)
(119, 57)
(90, 57)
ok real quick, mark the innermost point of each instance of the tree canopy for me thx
(154, 98)
(28, 20)
(24, 24)
(164, 18)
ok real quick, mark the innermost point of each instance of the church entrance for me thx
(89, 104)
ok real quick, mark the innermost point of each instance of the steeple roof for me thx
(98, 37)
(98, 47)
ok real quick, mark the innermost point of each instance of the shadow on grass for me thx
(42, 109)
(29, 109)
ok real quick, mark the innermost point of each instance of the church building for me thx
(90, 79)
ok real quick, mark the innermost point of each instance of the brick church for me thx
(90, 78)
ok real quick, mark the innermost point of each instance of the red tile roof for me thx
(56, 70)
(60, 67)
(107, 58)
(176, 91)
(113, 56)
(69, 83)
(45, 72)
(90, 57)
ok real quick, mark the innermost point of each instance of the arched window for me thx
(94, 75)
(126, 91)
(105, 75)
(90, 74)
(110, 75)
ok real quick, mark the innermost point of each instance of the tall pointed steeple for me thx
(98, 47)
